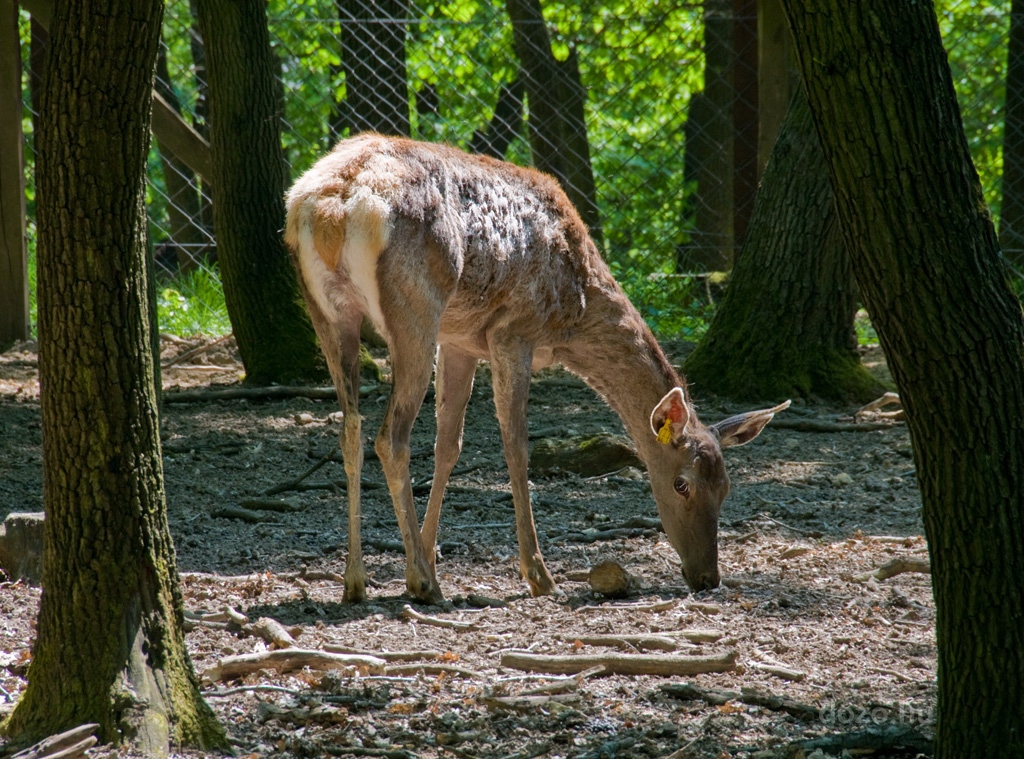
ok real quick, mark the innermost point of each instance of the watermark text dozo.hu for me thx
(835, 714)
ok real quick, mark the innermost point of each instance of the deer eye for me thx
(682, 487)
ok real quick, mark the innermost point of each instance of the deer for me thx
(458, 258)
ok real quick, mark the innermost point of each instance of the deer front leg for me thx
(510, 369)
(453, 386)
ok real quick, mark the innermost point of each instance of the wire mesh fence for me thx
(655, 116)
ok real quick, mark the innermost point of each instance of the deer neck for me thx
(617, 355)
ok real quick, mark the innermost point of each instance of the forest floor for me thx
(808, 513)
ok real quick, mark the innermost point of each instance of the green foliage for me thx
(193, 304)
(675, 305)
(640, 62)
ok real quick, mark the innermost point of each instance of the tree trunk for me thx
(555, 97)
(1011, 219)
(785, 325)
(373, 41)
(274, 334)
(745, 118)
(709, 151)
(110, 646)
(504, 125)
(925, 254)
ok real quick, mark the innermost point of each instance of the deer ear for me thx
(670, 417)
(742, 428)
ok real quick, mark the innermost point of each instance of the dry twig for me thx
(897, 566)
(412, 615)
(621, 664)
(289, 659)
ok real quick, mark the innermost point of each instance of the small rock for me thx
(304, 418)
(21, 546)
(841, 480)
(609, 579)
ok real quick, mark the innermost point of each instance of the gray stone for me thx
(21, 546)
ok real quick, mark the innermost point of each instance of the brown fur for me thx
(486, 260)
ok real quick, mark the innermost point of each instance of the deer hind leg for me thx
(339, 340)
(510, 368)
(453, 385)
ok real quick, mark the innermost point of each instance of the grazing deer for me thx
(464, 258)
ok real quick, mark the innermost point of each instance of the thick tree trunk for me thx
(925, 254)
(785, 325)
(110, 646)
(274, 334)
(373, 37)
(1011, 220)
(555, 97)
(745, 118)
(709, 151)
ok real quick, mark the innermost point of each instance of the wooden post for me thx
(14, 313)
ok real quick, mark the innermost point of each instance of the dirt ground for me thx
(808, 512)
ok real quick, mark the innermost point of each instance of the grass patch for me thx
(192, 304)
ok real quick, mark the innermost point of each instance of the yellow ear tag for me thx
(665, 433)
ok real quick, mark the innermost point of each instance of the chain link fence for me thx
(647, 112)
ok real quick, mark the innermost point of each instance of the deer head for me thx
(689, 480)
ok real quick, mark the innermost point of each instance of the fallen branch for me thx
(67, 745)
(564, 684)
(294, 484)
(273, 393)
(185, 356)
(288, 660)
(897, 566)
(621, 664)
(693, 692)
(388, 656)
(233, 512)
(656, 606)
(632, 642)
(786, 673)
(412, 615)
(270, 504)
(225, 692)
(271, 631)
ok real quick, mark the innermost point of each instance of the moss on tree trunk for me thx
(925, 254)
(785, 325)
(110, 645)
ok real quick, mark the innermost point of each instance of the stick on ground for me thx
(621, 664)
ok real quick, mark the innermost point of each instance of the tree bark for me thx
(505, 124)
(110, 646)
(274, 334)
(709, 151)
(745, 118)
(1011, 219)
(925, 255)
(785, 324)
(373, 41)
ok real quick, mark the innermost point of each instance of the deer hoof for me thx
(541, 583)
(355, 593)
(426, 591)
